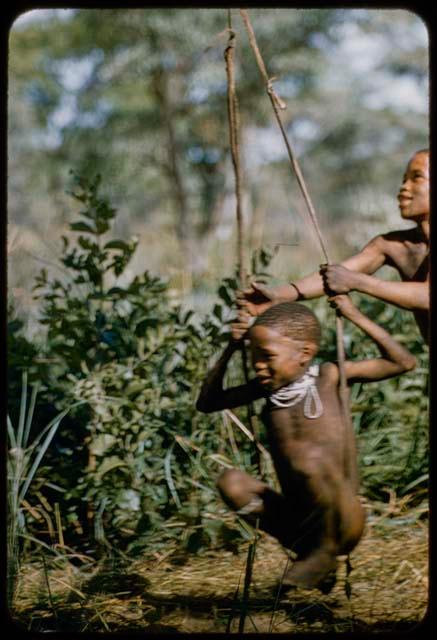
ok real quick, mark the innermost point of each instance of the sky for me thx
(364, 52)
(37, 15)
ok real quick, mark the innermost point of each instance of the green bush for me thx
(144, 454)
(136, 464)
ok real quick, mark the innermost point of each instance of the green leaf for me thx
(419, 480)
(82, 226)
(88, 244)
(117, 244)
(218, 312)
(224, 295)
(119, 291)
(113, 462)
(101, 227)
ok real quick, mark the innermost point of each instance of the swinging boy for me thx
(318, 514)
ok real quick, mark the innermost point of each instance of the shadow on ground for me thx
(107, 594)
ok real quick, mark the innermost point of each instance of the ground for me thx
(388, 588)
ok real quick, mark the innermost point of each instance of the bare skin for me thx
(318, 513)
(404, 250)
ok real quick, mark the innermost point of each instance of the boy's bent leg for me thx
(282, 518)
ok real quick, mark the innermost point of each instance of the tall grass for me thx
(23, 460)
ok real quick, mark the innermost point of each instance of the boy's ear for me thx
(309, 350)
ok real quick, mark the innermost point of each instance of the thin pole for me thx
(234, 124)
(350, 465)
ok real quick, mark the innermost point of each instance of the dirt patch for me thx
(388, 589)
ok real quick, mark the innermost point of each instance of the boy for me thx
(405, 250)
(318, 514)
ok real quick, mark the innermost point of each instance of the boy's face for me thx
(277, 359)
(413, 195)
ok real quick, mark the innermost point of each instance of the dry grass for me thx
(164, 594)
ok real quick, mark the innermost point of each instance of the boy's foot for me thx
(316, 571)
(328, 583)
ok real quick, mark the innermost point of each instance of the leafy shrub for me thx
(391, 418)
(144, 454)
(136, 464)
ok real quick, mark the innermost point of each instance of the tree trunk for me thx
(172, 167)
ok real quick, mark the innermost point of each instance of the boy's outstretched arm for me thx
(212, 396)
(394, 360)
(406, 295)
(258, 297)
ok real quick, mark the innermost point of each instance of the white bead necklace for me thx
(294, 392)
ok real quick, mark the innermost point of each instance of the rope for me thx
(350, 454)
(234, 124)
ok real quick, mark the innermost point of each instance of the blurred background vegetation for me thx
(122, 250)
(140, 97)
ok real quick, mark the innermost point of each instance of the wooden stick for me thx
(350, 465)
(234, 124)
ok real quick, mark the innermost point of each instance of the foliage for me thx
(137, 361)
(136, 463)
(140, 96)
(21, 356)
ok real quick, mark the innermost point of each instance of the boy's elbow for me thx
(200, 405)
(203, 406)
(409, 363)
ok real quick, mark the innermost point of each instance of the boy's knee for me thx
(240, 491)
(232, 483)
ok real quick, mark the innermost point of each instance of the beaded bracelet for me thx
(299, 295)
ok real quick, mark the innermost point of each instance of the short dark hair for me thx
(293, 320)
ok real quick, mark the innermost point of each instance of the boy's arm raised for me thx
(394, 360)
(354, 274)
(212, 396)
(406, 295)
(257, 298)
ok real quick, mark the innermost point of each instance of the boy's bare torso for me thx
(296, 441)
(408, 253)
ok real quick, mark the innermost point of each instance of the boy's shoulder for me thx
(329, 372)
(400, 235)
